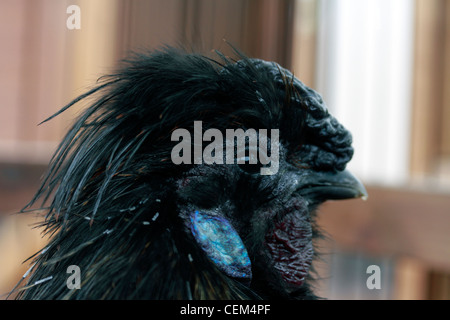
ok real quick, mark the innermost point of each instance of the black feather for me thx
(115, 200)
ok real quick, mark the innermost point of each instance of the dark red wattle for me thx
(290, 244)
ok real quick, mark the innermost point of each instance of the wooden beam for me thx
(304, 41)
(446, 103)
(393, 222)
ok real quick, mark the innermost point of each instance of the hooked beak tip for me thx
(356, 184)
(335, 186)
(353, 183)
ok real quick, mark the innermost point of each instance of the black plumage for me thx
(119, 208)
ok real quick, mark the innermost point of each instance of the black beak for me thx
(322, 186)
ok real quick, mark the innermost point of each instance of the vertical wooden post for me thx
(428, 86)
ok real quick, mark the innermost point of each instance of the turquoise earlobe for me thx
(221, 243)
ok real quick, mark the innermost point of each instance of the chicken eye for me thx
(250, 168)
(221, 243)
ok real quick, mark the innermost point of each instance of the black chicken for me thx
(140, 227)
